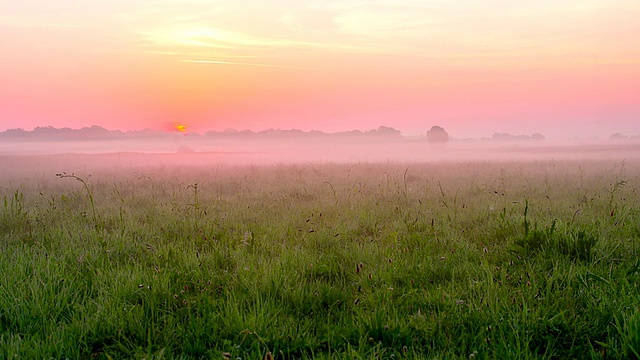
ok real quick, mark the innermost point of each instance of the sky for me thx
(565, 69)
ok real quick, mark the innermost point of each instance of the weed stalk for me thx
(64, 175)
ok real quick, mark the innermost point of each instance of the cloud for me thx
(196, 36)
(217, 62)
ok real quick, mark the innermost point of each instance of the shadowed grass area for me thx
(470, 260)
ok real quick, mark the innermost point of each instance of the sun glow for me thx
(181, 128)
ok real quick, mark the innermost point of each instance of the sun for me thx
(181, 128)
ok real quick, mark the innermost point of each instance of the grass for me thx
(327, 261)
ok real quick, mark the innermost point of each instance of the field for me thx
(485, 260)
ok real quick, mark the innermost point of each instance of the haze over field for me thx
(564, 69)
(295, 146)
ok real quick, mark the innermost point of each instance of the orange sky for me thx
(475, 67)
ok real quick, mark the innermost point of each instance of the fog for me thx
(42, 158)
(285, 150)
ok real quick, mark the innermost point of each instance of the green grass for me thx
(327, 261)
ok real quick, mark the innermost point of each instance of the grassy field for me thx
(329, 261)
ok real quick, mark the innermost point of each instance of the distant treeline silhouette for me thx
(49, 133)
(436, 134)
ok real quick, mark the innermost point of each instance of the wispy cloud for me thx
(197, 35)
(218, 62)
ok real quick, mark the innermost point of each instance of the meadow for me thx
(484, 260)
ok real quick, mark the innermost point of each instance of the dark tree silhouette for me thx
(437, 135)
(384, 131)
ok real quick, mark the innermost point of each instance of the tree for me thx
(385, 131)
(437, 135)
(617, 136)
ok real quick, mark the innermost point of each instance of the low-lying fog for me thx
(195, 151)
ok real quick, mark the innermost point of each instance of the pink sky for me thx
(476, 67)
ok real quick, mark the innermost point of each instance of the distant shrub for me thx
(437, 135)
